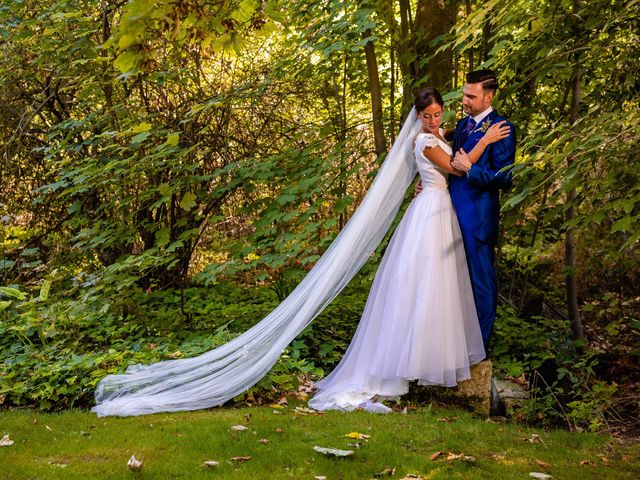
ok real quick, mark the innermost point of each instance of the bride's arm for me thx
(440, 158)
(493, 134)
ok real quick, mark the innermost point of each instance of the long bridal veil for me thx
(230, 369)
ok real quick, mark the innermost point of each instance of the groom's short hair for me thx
(485, 76)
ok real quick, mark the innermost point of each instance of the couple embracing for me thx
(431, 307)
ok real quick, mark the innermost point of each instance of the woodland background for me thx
(170, 170)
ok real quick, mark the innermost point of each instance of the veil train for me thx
(223, 373)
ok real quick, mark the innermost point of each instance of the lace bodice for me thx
(431, 175)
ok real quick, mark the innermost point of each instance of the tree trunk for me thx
(405, 57)
(433, 19)
(376, 95)
(470, 66)
(570, 242)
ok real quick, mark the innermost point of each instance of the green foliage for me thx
(564, 388)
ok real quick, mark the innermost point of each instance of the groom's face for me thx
(474, 99)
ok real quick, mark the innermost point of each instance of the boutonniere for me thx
(484, 127)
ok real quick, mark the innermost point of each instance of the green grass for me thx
(77, 444)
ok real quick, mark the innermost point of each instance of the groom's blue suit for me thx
(475, 197)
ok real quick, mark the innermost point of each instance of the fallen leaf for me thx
(540, 476)
(357, 436)
(535, 438)
(176, 354)
(35, 420)
(437, 454)
(356, 445)
(303, 395)
(585, 462)
(387, 472)
(2, 397)
(448, 419)
(241, 459)
(239, 428)
(48, 428)
(276, 406)
(543, 464)
(247, 419)
(412, 476)
(263, 441)
(334, 452)
(5, 442)
(211, 464)
(283, 401)
(134, 464)
(405, 412)
(306, 411)
(459, 456)
(279, 430)
(59, 465)
(319, 477)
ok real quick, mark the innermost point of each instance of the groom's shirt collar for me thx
(481, 116)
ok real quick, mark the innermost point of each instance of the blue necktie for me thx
(468, 128)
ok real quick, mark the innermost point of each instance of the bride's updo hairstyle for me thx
(427, 97)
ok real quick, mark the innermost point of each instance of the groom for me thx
(475, 195)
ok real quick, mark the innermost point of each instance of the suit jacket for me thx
(476, 195)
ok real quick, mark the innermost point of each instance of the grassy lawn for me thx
(77, 444)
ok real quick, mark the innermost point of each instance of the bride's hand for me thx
(496, 132)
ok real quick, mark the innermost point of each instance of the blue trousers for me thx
(480, 259)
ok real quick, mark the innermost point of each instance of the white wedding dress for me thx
(420, 320)
(429, 330)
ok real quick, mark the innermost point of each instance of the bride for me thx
(419, 322)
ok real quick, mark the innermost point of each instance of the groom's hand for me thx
(461, 161)
(418, 188)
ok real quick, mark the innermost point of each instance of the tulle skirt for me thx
(419, 322)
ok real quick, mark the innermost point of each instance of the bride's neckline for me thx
(439, 137)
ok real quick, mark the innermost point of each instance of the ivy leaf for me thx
(163, 236)
(172, 139)
(188, 201)
(141, 127)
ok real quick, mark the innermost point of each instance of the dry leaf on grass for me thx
(333, 452)
(585, 462)
(540, 476)
(450, 456)
(387, 472)
(134, 464)
(6, 441)
(279, 430)
(437, 454)
(306, 411)
(448, 419)
(276, 406)
(211, 464)
(535, 438)
(357, 436)
(412, 476)
(263, 441)
(319, 477)
(542, 464)
(239, 428)
(245, 458)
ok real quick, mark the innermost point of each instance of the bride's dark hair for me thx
(427, 97)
